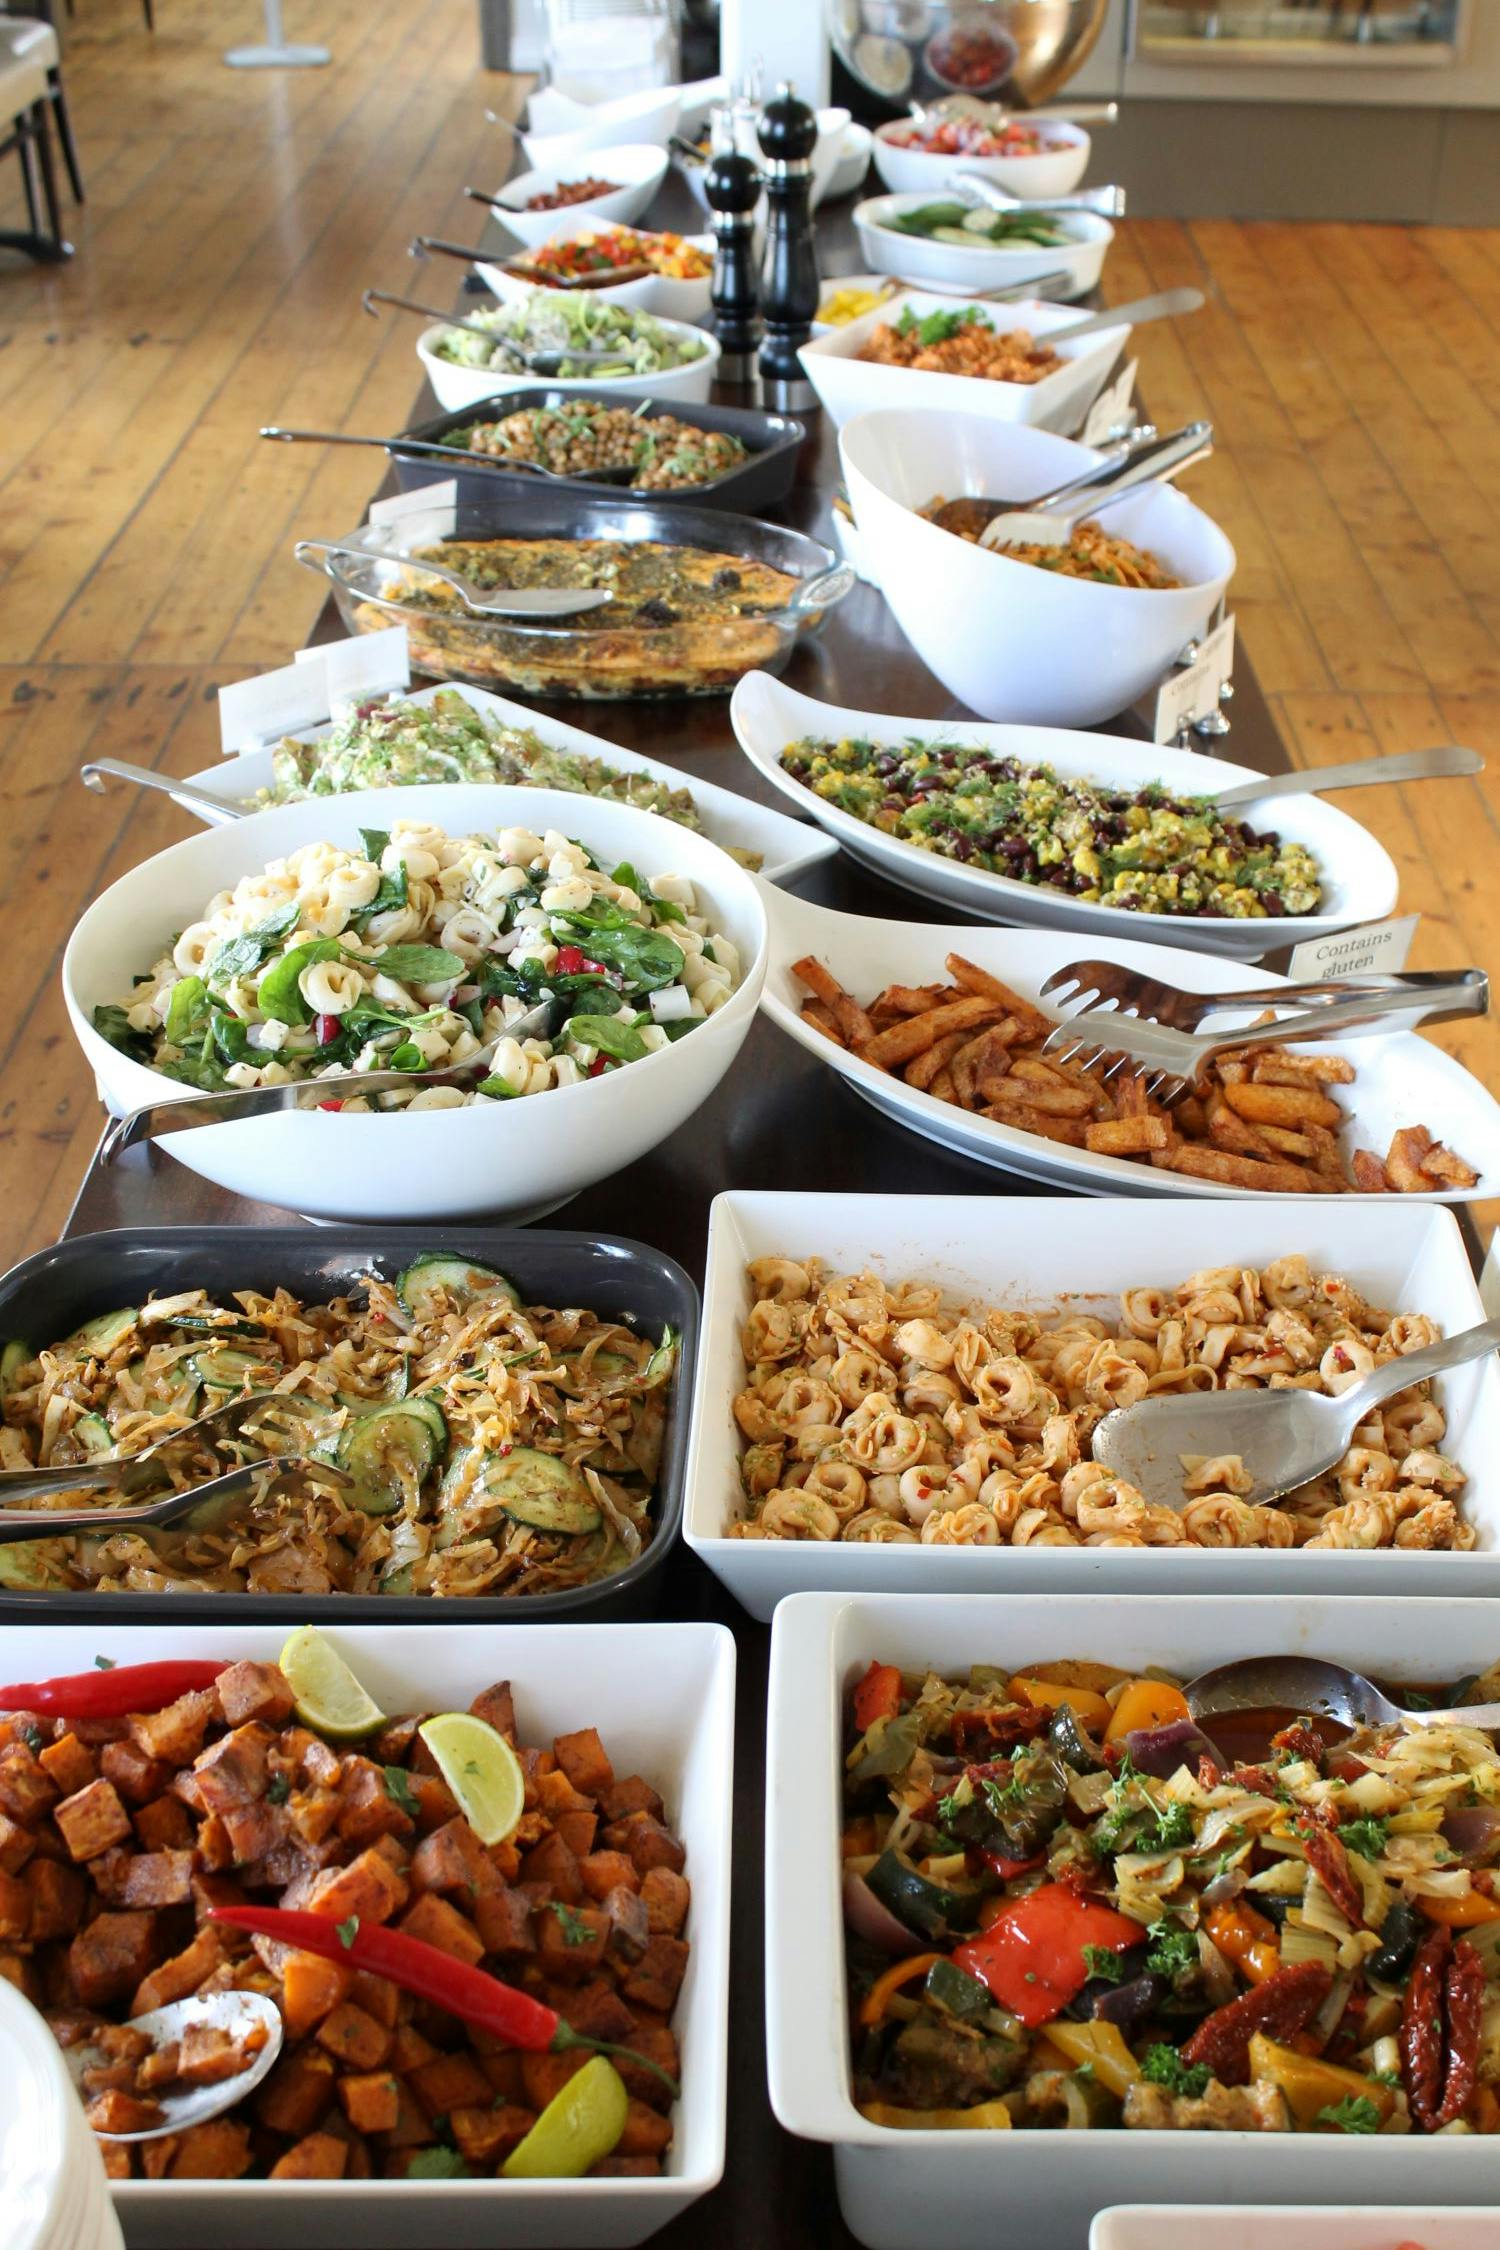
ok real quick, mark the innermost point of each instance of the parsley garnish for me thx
(104, 1663)
(1386, 2077)
(1356, 2113)
(1101, 1962)
(1174, 1950)
(1173, 1827)
(399, 1789)
(278, 1789)
(348, 1931)
(1367, 1837)
(1164, 2066)
(575, 1929)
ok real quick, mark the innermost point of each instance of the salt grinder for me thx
(732, 185)
(789, 273)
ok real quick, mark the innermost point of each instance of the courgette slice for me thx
(93, 1434)
(228, 1368)
(436, 1275)
(926, 1908)
(531, 1487)
(13, 1357)
(389, 1449)
(98, 1337)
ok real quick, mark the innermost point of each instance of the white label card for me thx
(1192, 691)
(439, 499)
(1111, 406)
(368, 664)
(277, 703)
(1378, 949)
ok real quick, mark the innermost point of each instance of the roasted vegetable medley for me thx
(1069, 1905)
(486, 1446)
(185, 1829)
(587, 435)
(1144, 849)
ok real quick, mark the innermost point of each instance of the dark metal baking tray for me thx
(773, 442)
(47, 1296)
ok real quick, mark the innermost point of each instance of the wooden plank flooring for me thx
(233, 218)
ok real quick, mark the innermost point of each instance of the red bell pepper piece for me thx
(1031, 1956)
(878, 1695)
(114, 1692)
(1008, 1869)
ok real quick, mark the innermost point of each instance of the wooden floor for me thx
(232, 220)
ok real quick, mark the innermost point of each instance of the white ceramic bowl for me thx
(1009, 640)
(971, 2191)
(1279, 2226)
(1039, 1251)
(454, 386)
(953, 266)
(848, 385)
(883, 283)
(830, 157)
(1055, 170)
(855, 151)
(638, 168)
(662, 1697)
(656, 293)
(1359, 878)
(1401, 1079)
(498, 1159)
(783, 846)
(648, 118)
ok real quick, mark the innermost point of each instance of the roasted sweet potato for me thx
(355, 2041)
(581, 1757)
(109, 1958)
(438, 1923)
(68, 1765)
(317, 2156)
(183, 1974)
(254, 1691)
(311, 1988)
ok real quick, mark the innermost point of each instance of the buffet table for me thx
(777, 1121)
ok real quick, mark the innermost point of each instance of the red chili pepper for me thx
(429, 1973)
(330, 1105)
(878, 1695)
(116, 1692)
(1031, 1956)
(326, 1029)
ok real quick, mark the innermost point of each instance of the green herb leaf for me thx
(104, 1663)
(113, 1024)
(1174, 1950)
(185, 1006)
(399, 1789)
(375, 841)
(278, 994)
(1368, 1837)
(611, 1037)
(646, 958)
(408, 1056)
(242, 956)
(1356, 2113)
(1164, 2066)
(667, 910)
(498, 1089)
(278, 1789)
(575, 1930)
(437, 2164)
(419, 964)
(347, 1931)
(1101, 1962)
(626, 876)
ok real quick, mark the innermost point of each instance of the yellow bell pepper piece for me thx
(1310, 2085)
(1146, 1703)
(1101, 2044)
(1461, 1913)
(582, 2123)
(1089, 1709)
(990, 2117)
(875, 2002)
(1245, 1938)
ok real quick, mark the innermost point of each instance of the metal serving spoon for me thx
(186, 792)
(481, 601)
(1311, 1683)
(1407, 765)
(1148, 445)
(1052, 522)
(1105, 202)
(425, 446)
(609, 277)
(202, 1508)
(999, 114)
(548, 362)
(237, 2013)
(1284, 1438)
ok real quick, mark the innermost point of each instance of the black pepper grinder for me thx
(789, 273)
(732, 185)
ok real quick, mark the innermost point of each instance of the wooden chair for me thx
(25, 131)
(35, 35)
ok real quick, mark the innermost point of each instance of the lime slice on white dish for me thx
(481, 1769)
(329, 1698)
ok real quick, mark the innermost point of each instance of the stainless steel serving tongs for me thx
(201, 1507)
(1135, 1019)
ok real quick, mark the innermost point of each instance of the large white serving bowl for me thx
(657, 293)
(1301, 2226)
(848, 385)
(1400, 1079)
(1055, 170)
(1040, 1252)
(1009, 640)
(638, 167)
(648, 118)
(454, 386)
(662, 1697)
(783, 846)
(1359, 878)
(977, 2190)
(954, 266)
(508, 1159)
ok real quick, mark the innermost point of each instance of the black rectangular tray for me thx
(47, 1296)
(773, 441)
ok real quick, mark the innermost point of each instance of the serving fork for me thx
(1136, 1019)
(1052, 521)
(480, 601)
(426, 448)
(1104, 202)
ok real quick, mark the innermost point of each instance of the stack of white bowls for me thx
(56, 2194)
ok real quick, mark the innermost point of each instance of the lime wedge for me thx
(581, 2123)
(481, 1769)
(330, 1699)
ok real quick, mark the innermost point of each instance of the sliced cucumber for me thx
(93, 1434)
(538, 1489)
(13, 1357)
(229, 1368)
(659, 1366)
(215, 1323)
(460, 1280)
(389, 1449)
(98, 1337)
(397, 1581)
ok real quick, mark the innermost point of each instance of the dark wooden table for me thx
(779, 1120)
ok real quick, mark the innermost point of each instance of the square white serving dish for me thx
(1025, 2189)
(1034, 1251)
(784, 845)
(663, 1699)
(1274, 2226)
(847, 384)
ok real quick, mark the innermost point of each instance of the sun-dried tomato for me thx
(1300, 1742)
(1463, 1996)
(1259, 1779)
(992, 1730)
(1279, 2007)
(1329, 1861)
(1422, 2028)
(1209, 1775)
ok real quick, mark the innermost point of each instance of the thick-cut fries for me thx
(1261, 1117)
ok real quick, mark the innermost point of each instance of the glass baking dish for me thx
(638, 658)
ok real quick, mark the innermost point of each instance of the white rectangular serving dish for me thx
(847, 385)
(1273, 2226)
(662, 1697)
(1035, 1251)
(785, 846)
(1027, 2189)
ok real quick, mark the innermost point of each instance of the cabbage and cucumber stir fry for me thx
(547, 321)
(419, 951)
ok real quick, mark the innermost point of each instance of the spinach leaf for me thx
(375, 841)
(201, 1071)
(666, 910)
(408, 1056)
(185, 1008)
(278, 995)
(644, 957)
(681, 1026)
(626, 876)
(393, 892)
(242, 956)
(619, 1040)
(113, 1024)
(419, 964)
(500, 1088)
(230, 1037)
